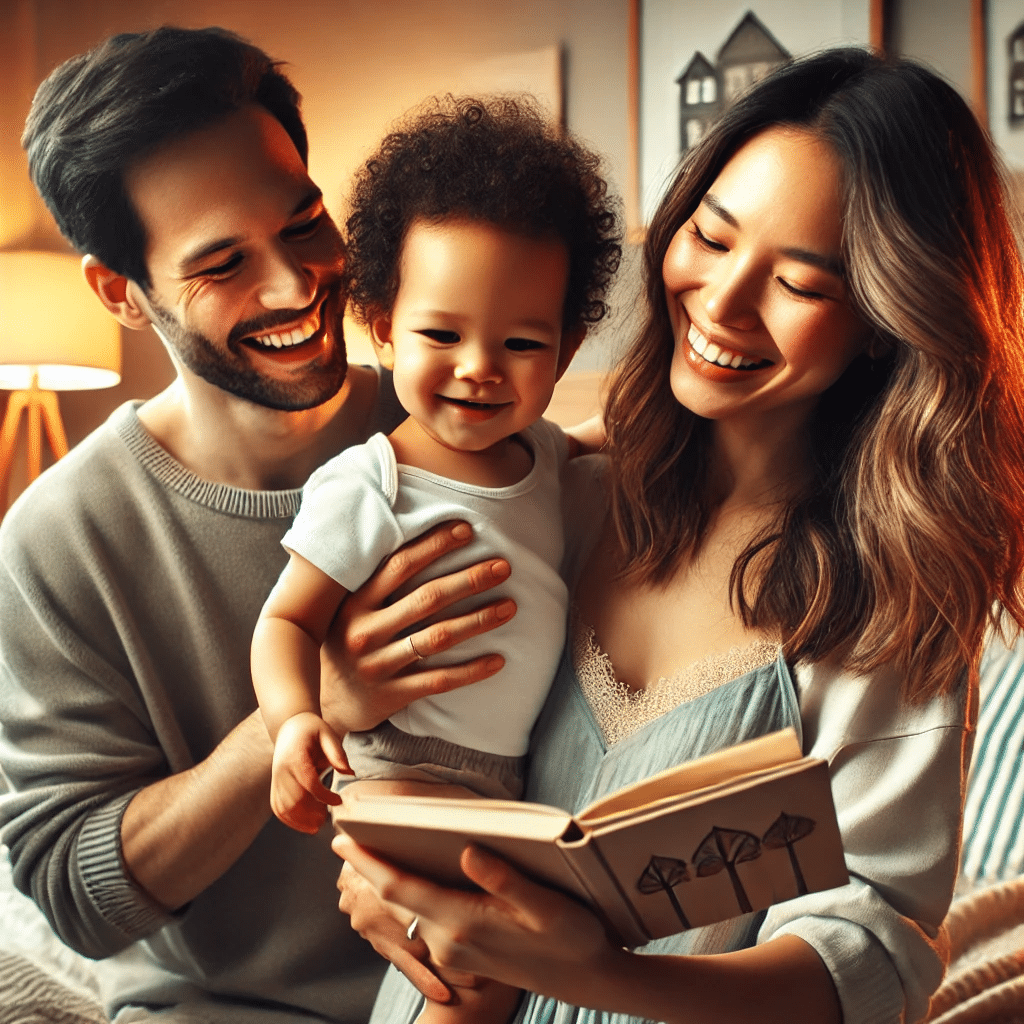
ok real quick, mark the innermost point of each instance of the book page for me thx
(720, 766)
(475, 816)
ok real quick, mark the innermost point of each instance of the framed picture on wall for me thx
(695, 57)
(1003, 32)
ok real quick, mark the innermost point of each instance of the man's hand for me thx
(368, 667)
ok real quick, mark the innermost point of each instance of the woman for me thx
(816, 483)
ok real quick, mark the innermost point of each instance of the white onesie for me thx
(361, 506)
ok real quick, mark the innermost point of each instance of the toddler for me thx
(481, 243)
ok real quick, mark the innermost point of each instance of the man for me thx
(132, 574)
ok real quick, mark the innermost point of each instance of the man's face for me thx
(244, 262)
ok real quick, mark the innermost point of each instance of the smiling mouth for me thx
(465, 403)
(715, 354)
(302, 332)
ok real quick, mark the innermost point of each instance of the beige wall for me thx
(358, 63)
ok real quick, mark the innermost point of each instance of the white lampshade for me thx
(53, 326)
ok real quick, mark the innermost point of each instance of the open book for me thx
(728, 833)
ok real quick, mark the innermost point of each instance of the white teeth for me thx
(697, 340)
(297, 335)
(712, 353)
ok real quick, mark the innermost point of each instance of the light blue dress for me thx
(571, 765)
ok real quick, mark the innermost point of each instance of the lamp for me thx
(54, 336)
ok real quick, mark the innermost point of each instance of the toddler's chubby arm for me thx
(286, 675)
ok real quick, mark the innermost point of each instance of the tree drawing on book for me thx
(725, 848)
(663, 874)
(786, 830)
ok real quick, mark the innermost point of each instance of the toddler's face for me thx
(476, 330)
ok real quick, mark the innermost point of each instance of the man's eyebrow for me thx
(310, 199)
(829, 264)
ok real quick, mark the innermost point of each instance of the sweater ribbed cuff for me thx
(117, 897)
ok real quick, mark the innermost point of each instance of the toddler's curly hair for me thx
(497, 161)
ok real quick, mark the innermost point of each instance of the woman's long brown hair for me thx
(910, 539)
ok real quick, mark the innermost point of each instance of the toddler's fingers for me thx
(334, 751)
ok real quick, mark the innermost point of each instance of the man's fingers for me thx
(412, 558)
(369, 633)
(428, 682)
(439, 594)
(441, 636)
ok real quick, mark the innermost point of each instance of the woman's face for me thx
(755, 286)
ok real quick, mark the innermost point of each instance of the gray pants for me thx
(389, 753)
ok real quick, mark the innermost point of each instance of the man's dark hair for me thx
(497, 161)
(101, 111)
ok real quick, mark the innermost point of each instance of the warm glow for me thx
(52, 325)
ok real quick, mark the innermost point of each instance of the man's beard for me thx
(229, 370)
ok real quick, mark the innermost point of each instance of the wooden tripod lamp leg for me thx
(54, 424)
(43, 411)
(9, 438)
(34, 442)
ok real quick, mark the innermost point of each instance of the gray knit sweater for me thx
(129, 589)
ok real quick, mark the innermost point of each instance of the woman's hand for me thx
(533, 938)
(386, 927)
(517, 932)
(366, 673)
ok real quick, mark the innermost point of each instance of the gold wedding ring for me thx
(411, 931)
(416, 654)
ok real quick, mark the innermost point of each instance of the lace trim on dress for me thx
(620, 711)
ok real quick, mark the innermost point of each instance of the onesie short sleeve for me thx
(346, 524)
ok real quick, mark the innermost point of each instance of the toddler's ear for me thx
(571, 341)
(380, 336)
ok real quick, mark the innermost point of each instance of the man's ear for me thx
(571, 341)
(121, 296)
(380, 336)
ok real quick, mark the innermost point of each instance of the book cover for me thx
(726, 834)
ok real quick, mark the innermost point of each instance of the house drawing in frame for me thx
(1015, 45)
(706, 89)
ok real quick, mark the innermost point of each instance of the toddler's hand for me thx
(306, 747)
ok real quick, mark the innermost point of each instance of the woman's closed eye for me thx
(802, 293)
(706, 242)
